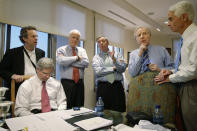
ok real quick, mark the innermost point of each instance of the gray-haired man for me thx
(40, 93)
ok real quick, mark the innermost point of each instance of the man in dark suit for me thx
(21, 61)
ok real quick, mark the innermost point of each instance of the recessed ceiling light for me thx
(158, 29)
(166, 22)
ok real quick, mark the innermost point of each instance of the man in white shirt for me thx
(30, 97)
(180, 19)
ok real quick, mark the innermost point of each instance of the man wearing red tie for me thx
(72, 62)
(41, 93)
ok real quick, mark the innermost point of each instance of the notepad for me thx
(93, 123)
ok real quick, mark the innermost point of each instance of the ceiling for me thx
(133, 13)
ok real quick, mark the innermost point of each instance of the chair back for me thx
(13, 97)
(1, 81)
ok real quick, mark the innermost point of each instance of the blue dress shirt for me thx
(157, 55)
(67, 61)
(101, 70)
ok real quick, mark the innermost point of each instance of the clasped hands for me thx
(163, 76)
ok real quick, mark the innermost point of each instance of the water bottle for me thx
(158, 115)
(99, 107)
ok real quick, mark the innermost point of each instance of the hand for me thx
(153, 67)
(60, 54)
(162, 75)
(114, 68)
(165, 72)
(79, 58)
(112, 54)
(17, 78)
(143, 48)
(165, 80)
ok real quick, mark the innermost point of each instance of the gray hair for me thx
(147, 29)
(45, 63)
(74, 31)
(183, 7)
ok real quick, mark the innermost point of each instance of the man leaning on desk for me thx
(41, 93)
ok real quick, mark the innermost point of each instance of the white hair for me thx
(45, 63)
(183, 7)
(136, 29)
(74, 31)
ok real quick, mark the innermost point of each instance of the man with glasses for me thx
(41, 93)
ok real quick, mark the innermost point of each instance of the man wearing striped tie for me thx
(180, 19)
(147, 57)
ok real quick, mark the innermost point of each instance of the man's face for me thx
(103, 44)
(175, 23)
(143, 36)
(74, 39)
(44, 74)
(32, 38)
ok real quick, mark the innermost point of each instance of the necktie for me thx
(45, 99)
(145, 62)
(178, 57)
(75, 69)
(110, 77)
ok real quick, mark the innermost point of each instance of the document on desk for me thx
(39, 123)
(93, 123)
(82, 111)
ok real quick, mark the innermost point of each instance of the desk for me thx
(56, 119)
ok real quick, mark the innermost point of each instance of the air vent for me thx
(121, 17)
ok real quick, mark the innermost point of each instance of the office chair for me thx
(13, 97)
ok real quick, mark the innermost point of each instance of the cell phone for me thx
(76, 108)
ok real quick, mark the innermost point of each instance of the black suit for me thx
(13, 63)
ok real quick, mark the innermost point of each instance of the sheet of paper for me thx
(38, 123)
(55, 114)
(93, 123)
(19, 123)
(79, 112)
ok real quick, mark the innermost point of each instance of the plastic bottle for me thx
(99, 107)
(158, 115)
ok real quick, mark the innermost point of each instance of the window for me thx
(15, 41)
(61, 41)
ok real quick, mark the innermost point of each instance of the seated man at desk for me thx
(41, 93)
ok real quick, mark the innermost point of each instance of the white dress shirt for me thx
(29, 68)
(29, 95)
(187, 69)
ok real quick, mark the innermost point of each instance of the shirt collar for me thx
(30, 52)
(71, 47)
(187, 32)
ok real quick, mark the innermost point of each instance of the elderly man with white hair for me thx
(147, 57)
(72, 62)
(180, 20)
(41, 93)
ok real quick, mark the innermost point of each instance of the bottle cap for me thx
(157, 106)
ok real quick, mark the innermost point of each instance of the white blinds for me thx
(52, 16)
(113, 31)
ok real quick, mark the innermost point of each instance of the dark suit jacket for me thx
(13, 63)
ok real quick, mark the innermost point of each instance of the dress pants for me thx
(112, 95)
(188, 96)
(74, 92)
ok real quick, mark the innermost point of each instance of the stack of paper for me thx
(94, 123)
(39, 123)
